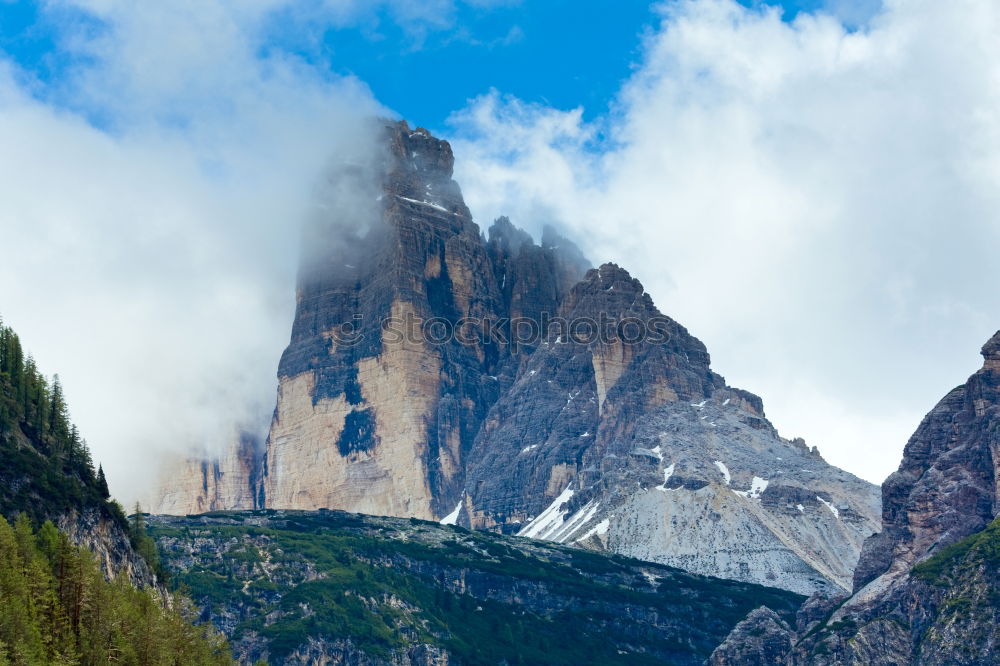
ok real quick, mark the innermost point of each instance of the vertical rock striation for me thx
(390, 372)
(198, 485)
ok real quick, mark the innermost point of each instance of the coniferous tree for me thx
(143, 543)
(58, 419)
(138, 520)
(102, 483)
(56, 460)
(57, 608)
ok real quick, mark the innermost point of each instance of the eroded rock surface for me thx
(762, 639)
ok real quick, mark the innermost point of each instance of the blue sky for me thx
(560, 53)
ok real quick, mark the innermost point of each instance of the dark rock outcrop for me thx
(762, 639)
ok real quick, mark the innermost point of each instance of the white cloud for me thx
(820, 206)
(150, 259)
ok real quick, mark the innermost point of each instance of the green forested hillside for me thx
(56, 604)
(301, 587)
(57, 608)
(979, 549)
(46, 466)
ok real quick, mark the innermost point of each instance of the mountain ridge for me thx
(304, 587)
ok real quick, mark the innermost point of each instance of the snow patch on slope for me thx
(599, 529)
(424, 203)
(757, 488)
(551, 518)
(725, 471)
(562, 532)
(830, 506)
(452, 517)
(667, 473)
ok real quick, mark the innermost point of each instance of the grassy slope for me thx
(389, 583)
(970, 552)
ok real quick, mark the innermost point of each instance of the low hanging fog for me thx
(152, 231)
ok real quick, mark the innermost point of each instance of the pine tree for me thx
(138, 521)
(102, 483)
(57, 608)
(19, 627)
(58, 418)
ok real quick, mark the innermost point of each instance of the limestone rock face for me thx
(110, 545)
(197, 485)
(639, 448)
(497, 383)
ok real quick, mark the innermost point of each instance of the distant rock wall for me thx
(198, 485)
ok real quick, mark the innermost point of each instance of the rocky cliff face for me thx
(109, 543)
(328, 587)
(497, 383)
(946, 487)
(926, 590)
(391, 367)
(637, 447)
(197, 485)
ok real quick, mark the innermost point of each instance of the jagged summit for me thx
(508, 238)
(610, 277)
(991, 350)
(489, 380)
(420, 170)
(636, 446)
(926, 585)
(946, 485)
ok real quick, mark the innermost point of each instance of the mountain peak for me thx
(508, 237)
(991, 350)
(419, 150)
(615, 288)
